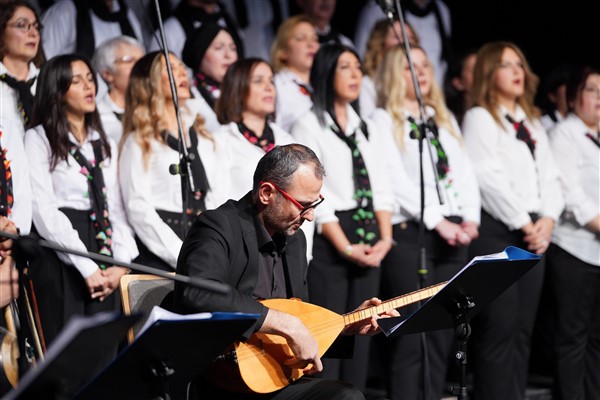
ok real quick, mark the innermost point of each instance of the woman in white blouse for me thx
(209, 52)
(77, 203)
(149, 155)
(246, 111)
(20, 57)
(292, 54)
(114, 60)
(521, 201)
(382, 38)
(354, 229)
(449, 226)
(574, 254)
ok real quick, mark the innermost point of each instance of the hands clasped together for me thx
(103, 282)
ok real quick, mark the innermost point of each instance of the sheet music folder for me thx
(482, 280)
(77, 354)
(181, 349)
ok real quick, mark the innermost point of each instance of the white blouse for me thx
(292, 99)
(60, 29)
(335, 155)
(578, 159)
(12, 142)
(458, 189)
(146, 190)
(9, 112)
(512, 182)
(67, 187)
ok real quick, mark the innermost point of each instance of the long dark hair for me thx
(6, 13)
(49, 107)
(322, 76)
(576, 81)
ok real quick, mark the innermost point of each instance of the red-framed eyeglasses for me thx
(303, 209)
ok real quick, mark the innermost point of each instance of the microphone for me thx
(174, 169)
(429, 125)
(387, 6)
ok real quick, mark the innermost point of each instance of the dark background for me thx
(549, 33)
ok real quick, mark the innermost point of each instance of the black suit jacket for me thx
(222, 246)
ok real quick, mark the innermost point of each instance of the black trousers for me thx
(403, 357)
(306, 388)
(341, 286)
(576, 288)
(60, 289)
(501, 339)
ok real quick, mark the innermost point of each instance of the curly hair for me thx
(145, 102)
(391, 92)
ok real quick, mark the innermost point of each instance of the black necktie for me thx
(366, 225)
(266, 142)
(198, 197)
(207, 88)
(331, 37)
(99, 215)
(24, 96)
(594, 138)
(86, 43)
(523, 133)
(442, 164)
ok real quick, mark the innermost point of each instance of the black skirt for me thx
(60, 289)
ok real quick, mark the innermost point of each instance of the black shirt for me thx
(271, 275)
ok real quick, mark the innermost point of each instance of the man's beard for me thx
(274, 219)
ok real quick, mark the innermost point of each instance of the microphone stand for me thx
(184, 168)
(423, 133)
(28, 245)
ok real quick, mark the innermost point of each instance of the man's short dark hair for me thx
(279, 165)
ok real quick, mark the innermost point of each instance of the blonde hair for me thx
(376, 45)
(145, 106)
(283, 36)
(484, 92)
(391, 93)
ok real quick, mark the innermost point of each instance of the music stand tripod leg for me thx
(162, 372)
(462, 332)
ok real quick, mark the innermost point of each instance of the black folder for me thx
(478, 283)
(166, 356)
(77, 354)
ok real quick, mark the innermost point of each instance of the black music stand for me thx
(467, 293)
(165, 357)
(77, 354)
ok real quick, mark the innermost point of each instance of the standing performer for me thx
(77, 203)
(354, 229)
(149, 152)
(521, 200)
(449, 228)
(574, 254)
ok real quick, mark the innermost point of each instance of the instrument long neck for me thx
(396, 302)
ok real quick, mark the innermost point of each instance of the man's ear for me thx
(266, 191)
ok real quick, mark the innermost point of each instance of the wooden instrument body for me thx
(259, 364)
(268, 353)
